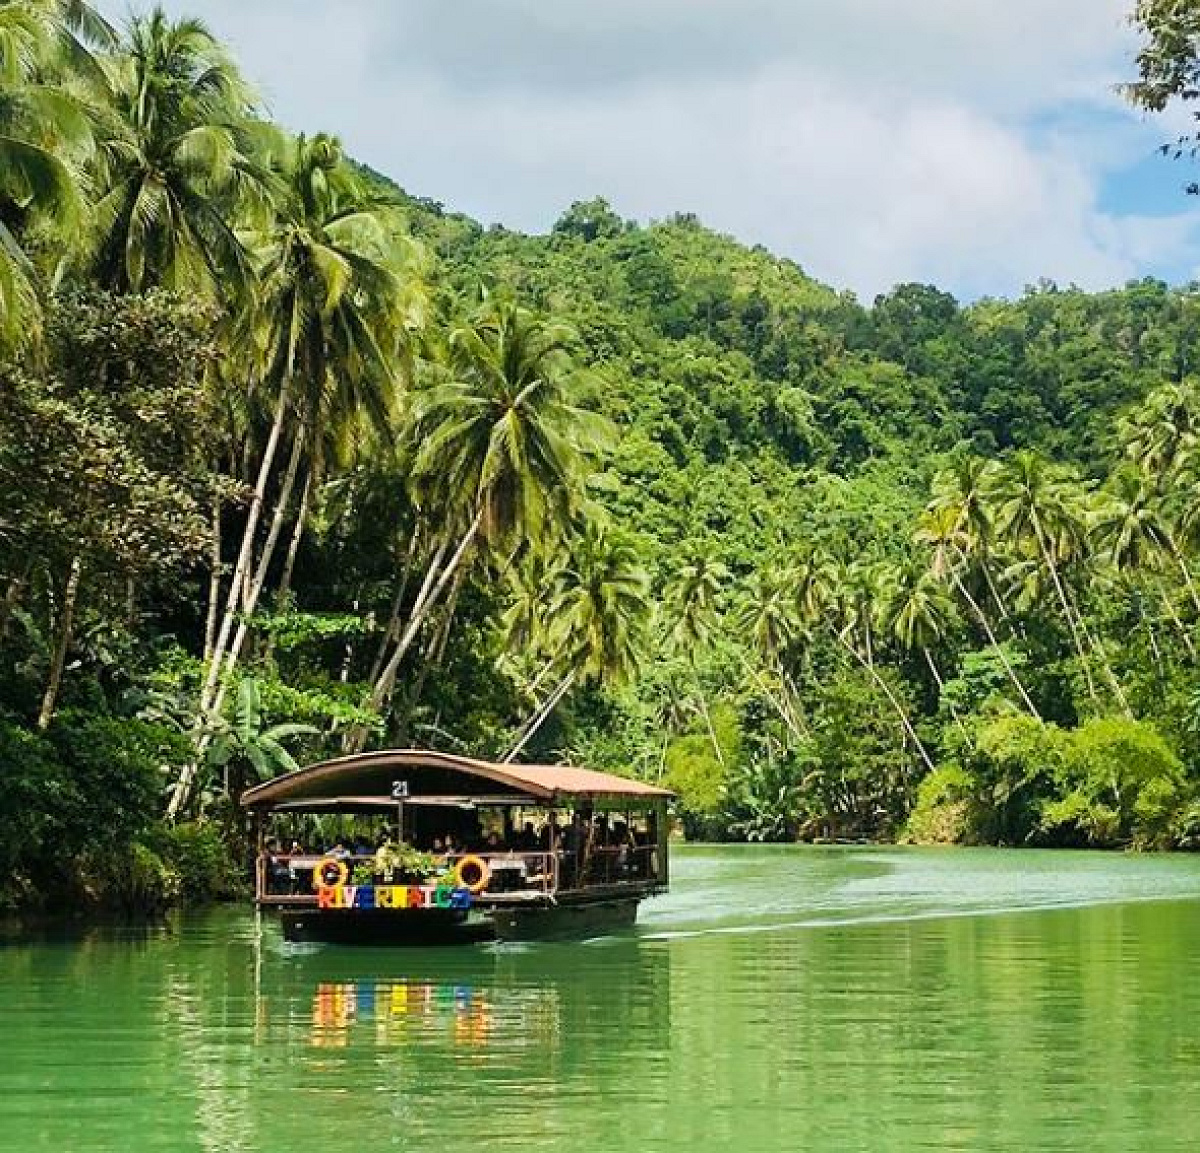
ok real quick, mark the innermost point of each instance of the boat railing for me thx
(290, 878)
(608, 865)
(513, 875)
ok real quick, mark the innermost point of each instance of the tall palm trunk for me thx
(259, 579)
(392, 628)
(62, 641)
(289, 561)
(1080, 630)
(421, 610)
(776, 702)
(900, 710)
(1064, 603)
(708, 724)
(541, 716)
(214, 580)
(1180, 627)
(436, 579)
(183, 785)
(941, 684)
(1181, 561)
(981, 616)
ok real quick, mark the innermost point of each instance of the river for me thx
(777, 999)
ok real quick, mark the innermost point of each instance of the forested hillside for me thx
(293, 463)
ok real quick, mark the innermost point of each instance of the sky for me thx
(975, 144)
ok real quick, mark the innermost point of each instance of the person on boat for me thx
(278, 874)
(527, 838)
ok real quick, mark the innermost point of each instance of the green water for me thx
(776, 1000)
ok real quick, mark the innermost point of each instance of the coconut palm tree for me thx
(940, 530)
(1040, 511)
(917, 612)
(1162, 431)
(49, 80)
(181, 160)
(1134, 536)
(502, 449)
(599, 607)
(964, 490)
(691, 599)
(330, 330)
(765, 616)
(854, 609)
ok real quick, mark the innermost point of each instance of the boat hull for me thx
(565, 919)
(579, 919)
(385, 927)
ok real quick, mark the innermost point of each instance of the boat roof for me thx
(367, 779)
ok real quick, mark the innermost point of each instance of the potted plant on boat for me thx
(402, 864)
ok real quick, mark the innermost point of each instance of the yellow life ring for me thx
(343, 872)
(476, 864)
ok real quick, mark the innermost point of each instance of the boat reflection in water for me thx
(350, 1021)
(391, 1011)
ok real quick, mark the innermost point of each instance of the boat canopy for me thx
(366, 780)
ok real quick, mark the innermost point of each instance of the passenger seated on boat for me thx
(493, 843)
(278, 873)
(527, 838)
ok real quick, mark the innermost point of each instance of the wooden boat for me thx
(537, 850)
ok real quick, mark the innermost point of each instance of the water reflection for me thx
(385, 1013)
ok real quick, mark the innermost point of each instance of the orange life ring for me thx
(477, 865)
(343, 872)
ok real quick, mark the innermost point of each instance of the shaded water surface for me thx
(778, 999)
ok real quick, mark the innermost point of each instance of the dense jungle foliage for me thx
(293, 463)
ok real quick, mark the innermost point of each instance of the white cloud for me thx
(872, 140)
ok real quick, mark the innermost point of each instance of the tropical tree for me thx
(181, 164)
(854, 609)
(598, 609)
(1041, 511)
(917, 612)
(49, 80)
(503, 449)
(764, 615)
(940, 530)
(692, 602)
(333, 317)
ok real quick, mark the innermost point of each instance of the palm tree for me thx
(853, 611)
(1162, 431)
(963, 490)
(48, 77)
(598, 609)
(940, 530)
(917, 612)
(692, 598)
(180, 160)
(765, 615)
(1040, 510)
(502, 448)
(331, 315)
(1134, 536)
(330, 325)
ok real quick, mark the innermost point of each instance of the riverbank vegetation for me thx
(293, 463)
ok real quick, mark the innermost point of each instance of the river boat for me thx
(507, 851)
